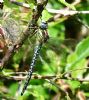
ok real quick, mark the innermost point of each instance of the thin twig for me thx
(67, 12)
(57, 16)
(16, 77)
(20, 4)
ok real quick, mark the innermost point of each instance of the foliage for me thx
(63, 56)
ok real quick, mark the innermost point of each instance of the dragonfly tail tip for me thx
(22, 93)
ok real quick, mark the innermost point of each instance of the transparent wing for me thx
(12, 31)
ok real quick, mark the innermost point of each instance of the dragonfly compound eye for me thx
(44, 26)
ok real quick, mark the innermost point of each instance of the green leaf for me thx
(77, 59)
(81, 52)
(46, 15)
(74, 84)
(38, 92)
(13, 88)
(82, 49)
(76, 67)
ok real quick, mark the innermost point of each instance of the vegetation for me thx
(61, 68)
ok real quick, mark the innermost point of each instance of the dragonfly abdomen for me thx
(36, 53)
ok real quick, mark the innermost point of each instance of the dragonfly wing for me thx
(12, 31)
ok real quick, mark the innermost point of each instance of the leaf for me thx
(38, 92)
(82, 49)
(76, 67)
(46, 15)
(77, 59)
(13, 88)
(74, 84)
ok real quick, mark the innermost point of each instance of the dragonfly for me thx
(43, 28)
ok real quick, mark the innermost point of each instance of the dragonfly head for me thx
(43, 25)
